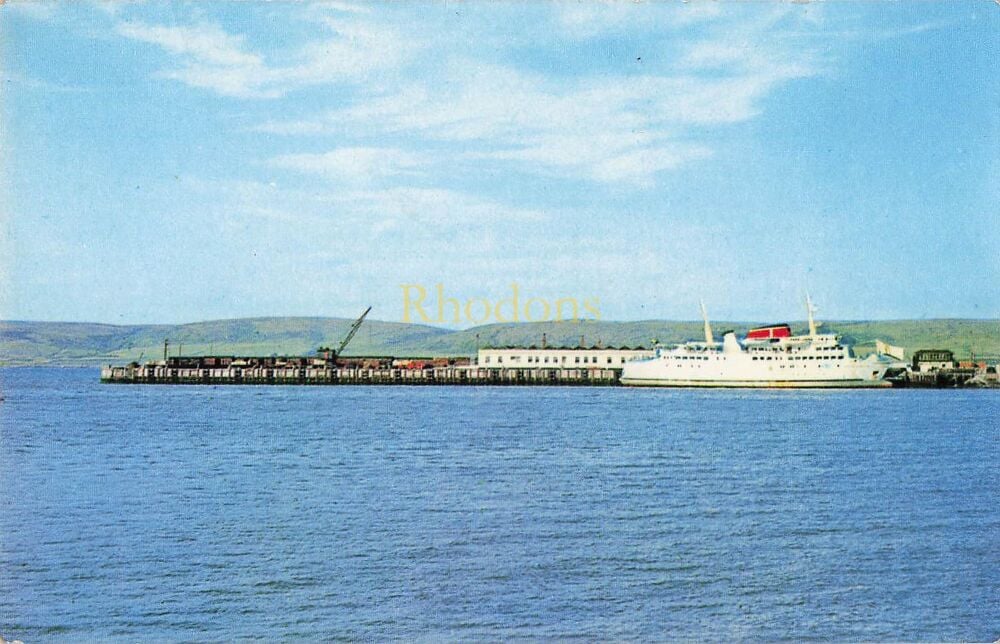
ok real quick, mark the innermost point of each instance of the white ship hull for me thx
(766, 367)
(769, 357)
(759, 384)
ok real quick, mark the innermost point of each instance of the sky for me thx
(171, 162)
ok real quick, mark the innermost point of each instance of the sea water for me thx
(217, 513)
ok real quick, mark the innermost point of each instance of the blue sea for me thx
(473, 513)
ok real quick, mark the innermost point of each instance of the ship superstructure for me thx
(768, 356)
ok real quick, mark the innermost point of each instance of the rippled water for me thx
(472, 513)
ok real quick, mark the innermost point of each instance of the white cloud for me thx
(346, 7)
(589, 19)
(437, 206)
(608, 128)
(610, 157)
(206, 44)
(212, 58)
(413, 211)
(216, 60)
(43, 85)
(354, 50)
(639, 166)
(353, 165)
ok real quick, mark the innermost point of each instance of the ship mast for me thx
(709, 340)
(810, 309)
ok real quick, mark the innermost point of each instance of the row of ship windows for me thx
(538, 359)
(761, 358)
(785, 350)
(803, 358)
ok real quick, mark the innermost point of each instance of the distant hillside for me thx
(83, 344)
(69, 343)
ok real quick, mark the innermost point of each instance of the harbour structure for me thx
(929, 360)
(461, 370)
(503, 366)
(374, 370)
(768, 356)
(545, 357)
(331, 367)
(939, 368)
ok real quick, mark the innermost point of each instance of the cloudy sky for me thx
(174, 162)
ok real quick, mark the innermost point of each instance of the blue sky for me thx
(175, 162)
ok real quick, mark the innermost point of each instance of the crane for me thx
(333, 355)
(354, 329)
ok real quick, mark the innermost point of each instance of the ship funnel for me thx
(730, 344)
(708, 327)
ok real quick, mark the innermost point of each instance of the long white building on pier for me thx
(560, 357)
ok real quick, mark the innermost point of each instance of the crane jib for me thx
(353, 330)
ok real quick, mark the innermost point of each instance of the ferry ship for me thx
(768, 356)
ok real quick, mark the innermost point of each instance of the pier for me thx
(551, 366)
(505, 366)
(164, 374)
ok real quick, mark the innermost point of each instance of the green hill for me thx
(84, 344)
(69, 343)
